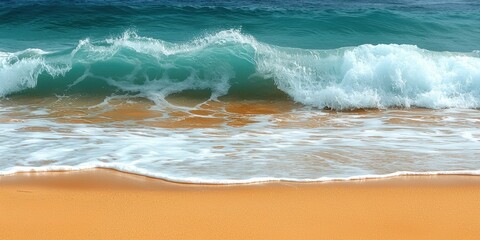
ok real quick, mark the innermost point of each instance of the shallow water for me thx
(232, 141)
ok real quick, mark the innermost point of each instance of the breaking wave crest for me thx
(230, 62)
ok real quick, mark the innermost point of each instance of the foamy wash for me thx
(65, 69)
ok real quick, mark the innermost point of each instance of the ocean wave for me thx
(364, 76)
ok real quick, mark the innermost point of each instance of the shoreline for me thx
(107, 204)
(255, 180)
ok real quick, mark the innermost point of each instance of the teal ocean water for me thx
(430, 24)
(397, 81)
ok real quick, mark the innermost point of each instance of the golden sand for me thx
(104, 204)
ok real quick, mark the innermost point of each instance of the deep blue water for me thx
(429, 24)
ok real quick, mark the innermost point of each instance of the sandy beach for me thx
(105, 204)
(216, 119)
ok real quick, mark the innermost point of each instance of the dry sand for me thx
(104, 204)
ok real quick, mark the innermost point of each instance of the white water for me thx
(365, 76)
(301, 145)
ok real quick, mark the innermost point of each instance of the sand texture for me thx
(104, 204)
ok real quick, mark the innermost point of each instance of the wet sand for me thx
(104, 204)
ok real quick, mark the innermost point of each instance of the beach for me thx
(106, 204)
(212, 119)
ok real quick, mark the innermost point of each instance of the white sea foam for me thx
(365, 76)
(342, 147)
(206, 180)
(20, 70)
(376, 76)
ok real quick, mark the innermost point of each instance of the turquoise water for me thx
(241, 91)
(329, 54)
